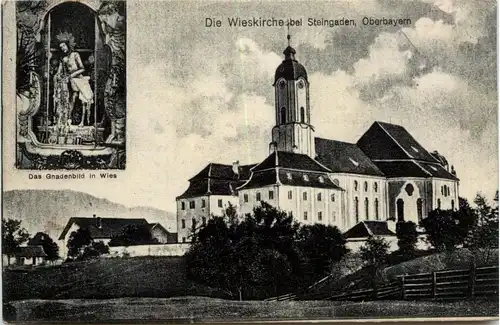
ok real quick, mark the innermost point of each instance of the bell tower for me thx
(293, 131)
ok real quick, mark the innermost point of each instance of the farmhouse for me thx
(387, 175)
(105, 228)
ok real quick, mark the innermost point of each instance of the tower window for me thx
(283, 115)
(376, 210)
(356, 208)
(367, 208)
(439, 204)
(302, 115)
(400, 209)
(453, 205)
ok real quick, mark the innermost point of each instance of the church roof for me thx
(286, 168)
(343, 157)
(369, 228)
(385, 141)
(290, 160)
(216, 179)
(220, 171)
(411, 168)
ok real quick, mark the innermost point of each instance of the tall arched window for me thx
(375, 187)
(355, 185)
(453, 205)
(439, 204)
(376, 210)
(283, 115)
(356, 208)
(401, 209)
(366, 186)
(302, 115)
(367, 211)
(419, 209)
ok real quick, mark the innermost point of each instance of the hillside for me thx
(50, 210)
(147, 276)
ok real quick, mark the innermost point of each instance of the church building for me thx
(385, 176)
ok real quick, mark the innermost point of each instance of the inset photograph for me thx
(71, 85)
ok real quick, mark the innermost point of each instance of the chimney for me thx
(236, 167)
(272, 147)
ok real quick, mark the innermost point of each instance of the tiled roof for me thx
(216, 179)
(343, 157)
(401, 169)
(290, 160)
(385, 141)
(102, 228)
(306, 179)
(208, 186)
(260, 179)
(437, 170)
(369, 228)
(220, 171)
(31, 251)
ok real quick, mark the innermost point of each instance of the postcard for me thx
(215, 161)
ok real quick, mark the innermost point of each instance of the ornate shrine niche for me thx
(71, 87)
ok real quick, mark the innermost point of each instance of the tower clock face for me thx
(301, 84)
(282, 84)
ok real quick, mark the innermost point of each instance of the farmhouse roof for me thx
(102, 228)
(31, 251)
(369, 228)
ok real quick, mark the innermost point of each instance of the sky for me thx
(198, 94)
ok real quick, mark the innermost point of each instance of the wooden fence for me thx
(461, 284)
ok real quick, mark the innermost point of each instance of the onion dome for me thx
(290, 69)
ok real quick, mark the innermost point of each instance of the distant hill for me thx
(50, 210)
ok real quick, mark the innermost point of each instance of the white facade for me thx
(197, 210)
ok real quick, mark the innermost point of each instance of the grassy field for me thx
(211, 309)
(103, 279)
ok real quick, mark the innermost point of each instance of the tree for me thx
(321, 246)
(13, 235)
(265, 253)
(447, 229)
(49, 246)
(375, 253)
(81, 245)
(133, 235)
(407, 239)
(483, 236)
